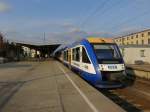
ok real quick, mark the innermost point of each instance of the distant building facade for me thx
(28, 52)
(138, 38)
(136, 54)
(135, 47)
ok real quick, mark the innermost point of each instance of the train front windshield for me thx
(107, 51)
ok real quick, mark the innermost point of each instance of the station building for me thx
(30, 52)
(138, 38)
(136, 54)
(135, 47)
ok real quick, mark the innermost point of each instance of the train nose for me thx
(113, 80)
(112, 76)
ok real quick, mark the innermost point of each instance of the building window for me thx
(136, 36)
(148, 33)
(142, 35)
(149, 41)
(142, 53)
(131, 37)
(127, 38)
(142, 42)
(137, 42)
(85, 58)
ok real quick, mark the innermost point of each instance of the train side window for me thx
(85, 58)
(76, 54)
(66, 55)
(73, 54)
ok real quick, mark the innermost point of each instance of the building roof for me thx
(134, 46)
(132, 33)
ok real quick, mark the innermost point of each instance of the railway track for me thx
(133, 99)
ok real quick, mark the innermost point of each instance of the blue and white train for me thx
(97, 60)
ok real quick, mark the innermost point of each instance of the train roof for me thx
(89, 39)
(100, 40)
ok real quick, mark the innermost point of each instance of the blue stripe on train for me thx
(96, 81)
(91, 78)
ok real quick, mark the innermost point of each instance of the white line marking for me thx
(81, 93)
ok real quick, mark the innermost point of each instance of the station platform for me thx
(141, 71)
(143, 67)
(48, 87)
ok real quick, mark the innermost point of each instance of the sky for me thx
(65, 20)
